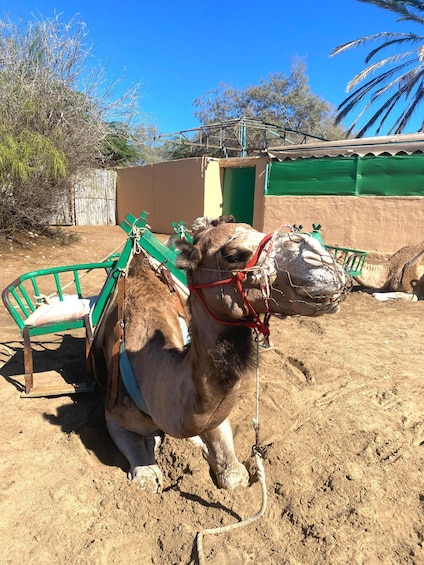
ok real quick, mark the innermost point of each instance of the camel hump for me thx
(138, 265)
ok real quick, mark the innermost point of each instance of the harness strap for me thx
(255, 324)
(259, 249)
(166, 273)
(113, 390)
(130, 381)
(238, 278)
(121, 370)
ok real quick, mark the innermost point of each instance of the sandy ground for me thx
(341, 413)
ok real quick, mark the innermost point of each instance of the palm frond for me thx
(401, 7)
(398, 78)
(352, 101)
(363, 90)
(408, 38)
(375, 66)
(386, 36)
(388, 105)
(357, 119)
(386, 115)
(406, 115)
(411, 79)
(404, 89)
(359, 42)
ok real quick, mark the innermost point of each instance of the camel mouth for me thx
(305, 299)
(335, 292)
(325, 296)
(317, 305)
(325, 301)
(322, 300)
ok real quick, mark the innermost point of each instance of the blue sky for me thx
(179, 50)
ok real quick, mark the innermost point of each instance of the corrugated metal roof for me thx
(390, 145)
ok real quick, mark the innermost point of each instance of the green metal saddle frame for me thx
(22, 297)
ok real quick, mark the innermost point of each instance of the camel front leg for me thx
(218, 448)
(140, 452)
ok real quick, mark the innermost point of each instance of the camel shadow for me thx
(61, 354)
(12, 363)
(84, 416)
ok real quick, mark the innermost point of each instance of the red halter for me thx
(238, 278)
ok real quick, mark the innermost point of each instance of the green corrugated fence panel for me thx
(385, 175)
(306, 177)
(391, 175)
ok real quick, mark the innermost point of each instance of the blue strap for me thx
(128, 375)
(130, 381)
(184, 329)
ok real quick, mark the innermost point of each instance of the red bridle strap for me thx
(238, 278)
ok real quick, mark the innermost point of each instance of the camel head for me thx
(236, 271)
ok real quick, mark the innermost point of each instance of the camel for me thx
(400, 277)
(237, 278)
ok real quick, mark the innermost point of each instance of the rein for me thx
(238, 277)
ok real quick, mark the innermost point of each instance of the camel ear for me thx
(189, 256)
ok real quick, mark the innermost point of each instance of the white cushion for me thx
(69, 309)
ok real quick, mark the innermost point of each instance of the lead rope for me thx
(259, 454)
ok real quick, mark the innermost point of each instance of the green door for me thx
(239, 193)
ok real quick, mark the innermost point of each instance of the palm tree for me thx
(399, 82)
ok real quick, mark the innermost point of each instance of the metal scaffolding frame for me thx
(236, 135)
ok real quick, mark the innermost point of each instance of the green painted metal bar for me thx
(77, 284)
(14, 312)
(58, 287)
(352, 259)
(35, 287)
(26, 297)
(56, 327)
(152, 245)
(181, 230)
(161, 253)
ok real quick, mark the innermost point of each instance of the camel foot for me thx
(234, 476)
(147, 477)
(218, 448)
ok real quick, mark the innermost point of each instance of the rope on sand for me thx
(213, 531)
(259, 452)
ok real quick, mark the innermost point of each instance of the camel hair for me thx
(400, 277)
(237, 278)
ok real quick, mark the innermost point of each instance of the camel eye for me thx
(235, 255)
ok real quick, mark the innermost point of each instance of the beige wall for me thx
(172, 191)
(186, 189)
(370, 223)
